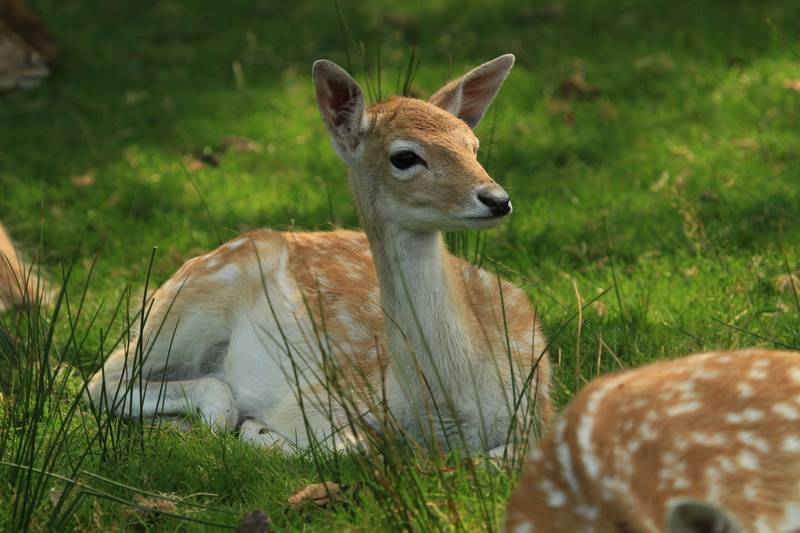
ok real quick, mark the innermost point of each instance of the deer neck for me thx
(425, 318)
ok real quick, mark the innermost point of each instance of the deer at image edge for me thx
(708, 443)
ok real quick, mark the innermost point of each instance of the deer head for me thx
(414, 162)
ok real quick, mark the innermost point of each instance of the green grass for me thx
(678, 187)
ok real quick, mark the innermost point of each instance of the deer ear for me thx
(469, 96)
(341, 104)
(692, 516)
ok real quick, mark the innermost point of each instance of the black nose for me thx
(498, 203)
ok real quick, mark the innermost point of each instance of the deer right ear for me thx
(469, 96)
(341, 104)
(692, 516)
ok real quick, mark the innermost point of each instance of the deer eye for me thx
(406, 159)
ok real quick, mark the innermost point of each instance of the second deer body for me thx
(707, 443)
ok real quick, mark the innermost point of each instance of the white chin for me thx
(426, 219)
(455, 224)
(482, 222)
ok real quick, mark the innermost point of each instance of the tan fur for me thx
(719, 428)
(385, 319)
(18, 283)
(448, 142)
(22, 21)
(336, 274)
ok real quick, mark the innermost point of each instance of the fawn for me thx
(293, 335)
(706, 443)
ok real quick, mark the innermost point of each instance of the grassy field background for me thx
(672, 178)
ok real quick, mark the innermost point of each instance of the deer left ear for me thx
(469, 96)
(341, 104)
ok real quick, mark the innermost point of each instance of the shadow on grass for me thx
(171, 77)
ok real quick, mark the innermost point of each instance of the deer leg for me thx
(209, 397)
(258, 434)
(291, 427)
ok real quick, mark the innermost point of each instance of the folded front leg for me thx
(210, 398)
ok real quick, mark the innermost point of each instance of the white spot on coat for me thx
(791, 444)
(747, 460)
(524, 527)
(751, 439)
(555, 498)
(786, 411)
(707, 439)
(749, 415)
(565, 459)
(703, 373)
(791, 517)
(589, 512)
(713, 478)
(680, 483)
(683, 408)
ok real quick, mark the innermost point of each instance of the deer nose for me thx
(497, 201)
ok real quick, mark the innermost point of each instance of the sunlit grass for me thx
(676, 189)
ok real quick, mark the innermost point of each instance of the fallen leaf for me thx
(600, 307)
(745, 142)
(690, 272)
(133, 97)
(682, 151)
(680, 179)
(319, 494)
(629, 18)
(240, 144)
(788, 282)
(197, 161)
(554, 11)
(151, 508)
(562, 108)
(113, 200)
(254, 522)
(608, 111)
(133, 156)
(792, 85)
(83, 181)
(661, 182)
(576, 86)
(398, 20)
(661, 62)
(193, 165)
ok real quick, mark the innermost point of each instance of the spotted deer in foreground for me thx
(706, 443)
(248, 333)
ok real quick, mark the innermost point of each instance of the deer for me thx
(19, 286)
(704, 443)
(292, 336)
